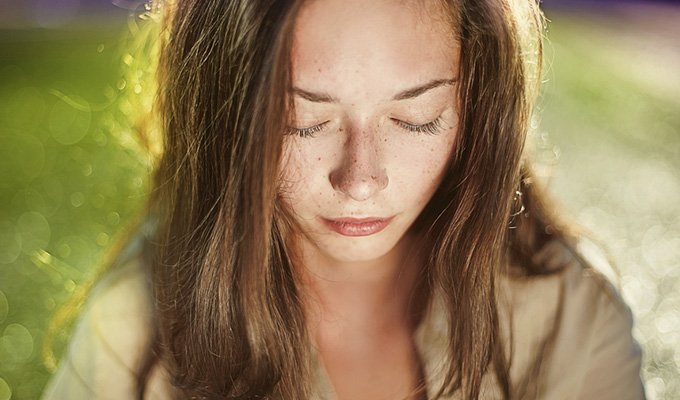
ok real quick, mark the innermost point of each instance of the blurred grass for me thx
(70, 180)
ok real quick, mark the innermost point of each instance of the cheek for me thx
(421, 165)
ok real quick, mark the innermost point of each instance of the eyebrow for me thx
(403, 95)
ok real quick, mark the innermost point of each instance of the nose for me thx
(361, 174)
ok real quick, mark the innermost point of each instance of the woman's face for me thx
(374, 85)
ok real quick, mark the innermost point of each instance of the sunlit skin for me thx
(374, 128)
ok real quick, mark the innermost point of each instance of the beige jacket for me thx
(593, 354)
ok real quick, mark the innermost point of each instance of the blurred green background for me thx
(71, 177)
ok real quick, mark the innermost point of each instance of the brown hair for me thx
(230, 323)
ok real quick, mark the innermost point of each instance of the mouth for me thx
(357, 226)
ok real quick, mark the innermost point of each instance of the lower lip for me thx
(359, 227)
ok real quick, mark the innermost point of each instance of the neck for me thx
(367, 298)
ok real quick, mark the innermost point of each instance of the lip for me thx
(357, 226)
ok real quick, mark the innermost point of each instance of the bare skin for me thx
(374, 129)
(363, 327)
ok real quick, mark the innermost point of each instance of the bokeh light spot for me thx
(102, 239)
(16, 343)
(78, 154)
(4, 306)
(50, 303)
(656, 388)
(100, 138)
(34, 230)
(5, 391)
(667, 323)
(69, 285)
(113, 218)
(64, 250)
(128, 59)
(121, 84)
(79, 248)
(641, 291)
(69, 124)
(10, 243)
(77, 199)
(87, 169)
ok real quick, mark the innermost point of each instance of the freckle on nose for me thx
(319, 158)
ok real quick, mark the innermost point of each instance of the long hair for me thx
(229, 319)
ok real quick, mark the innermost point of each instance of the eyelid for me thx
(431, 128)
(308, 131)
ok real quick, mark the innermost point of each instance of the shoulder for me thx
(110, 339)
(585, 284)
(119, 313)
(574, 330)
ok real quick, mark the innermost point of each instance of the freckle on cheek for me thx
(318, 159)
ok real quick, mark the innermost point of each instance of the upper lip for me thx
(352, 220)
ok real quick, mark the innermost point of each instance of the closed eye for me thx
(430, 128)
(307, 132)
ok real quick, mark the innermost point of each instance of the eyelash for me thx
(430, 128)
(307, 132)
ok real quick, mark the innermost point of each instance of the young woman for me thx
(344, 211)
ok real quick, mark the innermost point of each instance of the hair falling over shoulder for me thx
(229, 320)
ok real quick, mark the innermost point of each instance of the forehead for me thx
(358, 48)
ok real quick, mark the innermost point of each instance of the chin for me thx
(356, 250)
